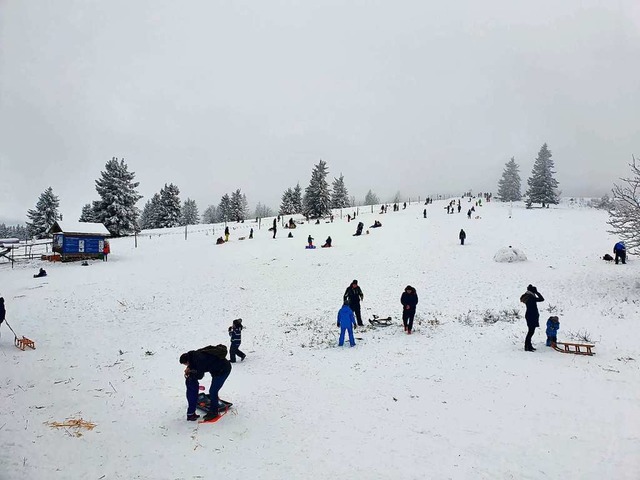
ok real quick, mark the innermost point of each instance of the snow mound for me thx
(509, 255)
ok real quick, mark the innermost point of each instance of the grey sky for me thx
(417, 96)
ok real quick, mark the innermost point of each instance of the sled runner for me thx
(575, 348)
(380, 322)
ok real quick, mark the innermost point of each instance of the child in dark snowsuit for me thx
(553, 325)
(235, 332)
(409, 300)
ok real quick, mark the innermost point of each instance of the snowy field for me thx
(459, 399)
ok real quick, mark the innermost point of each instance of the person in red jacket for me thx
(106, 250)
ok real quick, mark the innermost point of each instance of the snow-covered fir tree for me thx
(151, 213)
(190, 215)
(44, 215)
(397, 198)
(239, 207)
(317, 197)
(624, 209)
(210, 214)
(371, 198)
(262, 211)
(116, 208)
(87, 214)
(543, 187)
(170, 206)
(224, 209)
(339, 193)
(286, 206)
(13, 231)
(509, 184)
(296, 199)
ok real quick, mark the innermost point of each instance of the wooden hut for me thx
(78, 240)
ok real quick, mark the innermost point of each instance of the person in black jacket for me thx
(198, 362)
(409, 300)
(531, 298)
(353, 294)
(235, 332)
(462, 236)
(3, 311)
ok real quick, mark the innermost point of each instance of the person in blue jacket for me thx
(553, 325)
(346, 322)
(620, 251)
(235, 332)
(531, 298)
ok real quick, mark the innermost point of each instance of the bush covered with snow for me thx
(509, 255)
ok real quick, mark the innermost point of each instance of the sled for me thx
(310, 247)
(204, 403)
(575, 348)
(380, 322)
(21, 343)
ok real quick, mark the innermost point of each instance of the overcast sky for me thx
(419, 96)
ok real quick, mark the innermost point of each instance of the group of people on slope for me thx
(350, 317)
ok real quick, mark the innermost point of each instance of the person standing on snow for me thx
(235, 332)
(346, 322)
(620, 250)
(531, 298)
(462, 236)
(275, 228)
(226, 234)
(353, 295)
(208, 359)
(409, 300)
(3, 311)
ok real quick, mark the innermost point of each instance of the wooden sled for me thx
(23, 343)
(380, 322)
(575, 348)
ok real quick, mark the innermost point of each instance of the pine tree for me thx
(339, 195)
(371, 198)
(152, 213)
(317, 198)
(543, 188)
(210, 215)
(190, 215)
(169, 209)
(44, 215)
(296, 199)
(624, 210)
(238, 206)
(287, 207)
(87, 214)
(263, 211)
(224, 209)
(116, 208)
(509, 184)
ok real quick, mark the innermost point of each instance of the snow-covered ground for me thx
(459, 399)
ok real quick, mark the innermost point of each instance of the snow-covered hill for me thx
(459, 399)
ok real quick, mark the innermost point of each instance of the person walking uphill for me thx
(235, 332)
(353, 295)
(620, 251)
(208, 359)
(409, 300)
(531, 298)
(346, 322)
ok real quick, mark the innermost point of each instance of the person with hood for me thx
(346, 322)
(531, 298)
(553, 325)
(462, 236)
(235, 332)
(620, 250)
(409, 300)
(198, 362)
(359, 229)
(41, 273)
(353, 296)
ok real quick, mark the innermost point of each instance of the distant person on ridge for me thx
(353, 294)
